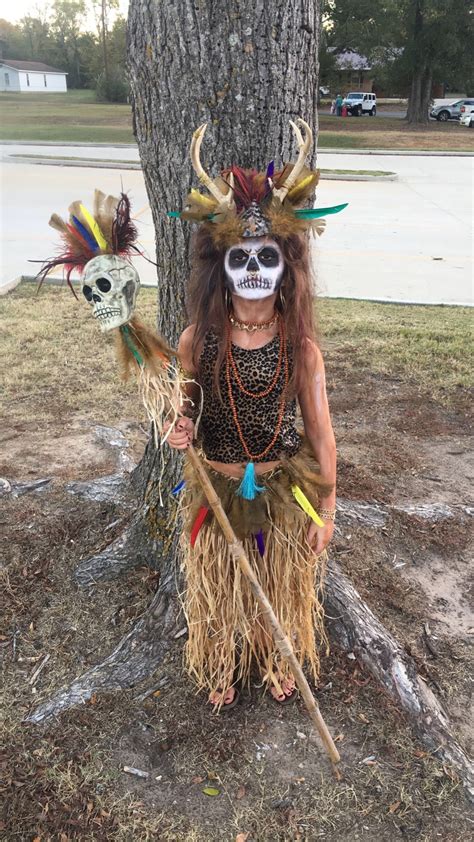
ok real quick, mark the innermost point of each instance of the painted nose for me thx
(252, 265)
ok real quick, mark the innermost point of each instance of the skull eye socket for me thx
(237, 258)
(269, 256)
(103, 284)
(87, 292)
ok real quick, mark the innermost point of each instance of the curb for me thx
(136, 165)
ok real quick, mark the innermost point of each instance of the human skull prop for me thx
(110, 284)
(254, 267)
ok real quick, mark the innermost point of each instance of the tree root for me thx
(353, 626)
(136, 657)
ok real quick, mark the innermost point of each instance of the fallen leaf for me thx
(90, 806)
(211, 790)
(420, 753)
(241, 792)
(339, 738)
(157, 693)
(394, 807)
(242, 837)
(197, 779)
(363, 718)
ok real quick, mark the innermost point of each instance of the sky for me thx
(13, 12)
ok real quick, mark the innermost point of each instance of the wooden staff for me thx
(237, 550)
(282, 641)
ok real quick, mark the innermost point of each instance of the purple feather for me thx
(260, 540)
(271, 169)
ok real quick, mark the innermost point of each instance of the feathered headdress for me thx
(108, 230)
(247, 203)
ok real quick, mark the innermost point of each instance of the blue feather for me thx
(248, 488)
(270, 169)
(90, 240)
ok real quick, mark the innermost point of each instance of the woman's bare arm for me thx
(319, 432)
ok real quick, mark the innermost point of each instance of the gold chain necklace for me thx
(252, 326)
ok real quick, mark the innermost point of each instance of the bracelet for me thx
(327, 514)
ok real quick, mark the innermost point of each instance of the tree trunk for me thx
(422, 74)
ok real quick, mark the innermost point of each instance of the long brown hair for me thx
(207, 308)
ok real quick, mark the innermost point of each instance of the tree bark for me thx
(420, 91)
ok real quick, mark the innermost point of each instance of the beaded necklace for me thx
(248, 488)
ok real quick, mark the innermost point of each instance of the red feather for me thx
(249, 186)
(201, 517)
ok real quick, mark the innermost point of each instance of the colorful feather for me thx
(303, 501)
(201, 517)
(260, 541)
(124, 232)
(85, 234)
(94, 228)
(315, 213)
(176, 490)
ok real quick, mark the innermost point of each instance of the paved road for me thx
(408, 240)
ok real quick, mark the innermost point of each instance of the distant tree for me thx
(35, 31)
(102, 9)
(67, 17)
(13, 40)
(438, 46)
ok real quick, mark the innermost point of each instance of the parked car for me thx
(467, 116)
(452, 111)
(358, 103)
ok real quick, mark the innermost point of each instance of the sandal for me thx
(287, 699)
(224, 708)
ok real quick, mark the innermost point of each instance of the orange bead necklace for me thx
(231, 369)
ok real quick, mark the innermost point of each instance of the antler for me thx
(304, 145)
(222, 198)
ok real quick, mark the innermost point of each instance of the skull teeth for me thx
(254, 282)
(106, 314)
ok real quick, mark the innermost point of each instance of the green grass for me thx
(45, 377)
(430, 345)
(72, 117)
(349, 172)
(76, 116)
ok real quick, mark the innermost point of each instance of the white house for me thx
(31, 77)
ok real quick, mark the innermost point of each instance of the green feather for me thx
(316, 213)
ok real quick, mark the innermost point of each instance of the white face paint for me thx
(110, 284)
(254, 268)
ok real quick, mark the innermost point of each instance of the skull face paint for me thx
(254, 268)
(110, 285)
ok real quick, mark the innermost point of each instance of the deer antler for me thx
(304, 145)
(222, 198)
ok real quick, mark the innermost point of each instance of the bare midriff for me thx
(236, 469)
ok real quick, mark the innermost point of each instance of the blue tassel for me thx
(248, 488)
(179, 487)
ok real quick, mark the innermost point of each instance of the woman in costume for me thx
(251, 350)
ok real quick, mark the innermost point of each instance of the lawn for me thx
(78, 117)
(426, 344)
(388, 367)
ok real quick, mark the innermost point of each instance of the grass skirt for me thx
(227, 631)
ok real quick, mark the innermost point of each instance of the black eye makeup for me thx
(269, 256)
(237, 258)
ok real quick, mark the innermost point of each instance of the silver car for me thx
(452, 111)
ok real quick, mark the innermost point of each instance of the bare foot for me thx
(226, 698)
(287, 685)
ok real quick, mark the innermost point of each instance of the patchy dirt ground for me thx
(66, 781)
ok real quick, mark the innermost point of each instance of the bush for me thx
(113, 89)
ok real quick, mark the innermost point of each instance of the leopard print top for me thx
(258, 416)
